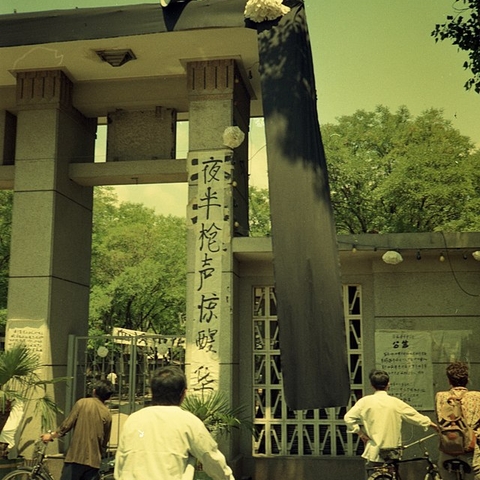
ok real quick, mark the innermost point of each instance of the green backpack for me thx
(456, 436)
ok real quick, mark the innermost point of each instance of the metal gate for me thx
(126, 360)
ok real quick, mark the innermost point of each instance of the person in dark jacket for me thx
(91, 422)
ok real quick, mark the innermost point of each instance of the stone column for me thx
(52, 221)
(217, 211)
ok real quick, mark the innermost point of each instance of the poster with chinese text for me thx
(407, 358)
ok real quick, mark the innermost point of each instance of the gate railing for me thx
(127, 361)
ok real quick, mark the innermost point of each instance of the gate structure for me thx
(127, 361)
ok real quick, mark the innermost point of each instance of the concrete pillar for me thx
(141, 135)
(52, 221)
(217, 211)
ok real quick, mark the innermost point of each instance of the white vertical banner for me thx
(209, 215)
(407, 358)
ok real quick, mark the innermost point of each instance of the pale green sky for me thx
(366, 53)
(371, 52)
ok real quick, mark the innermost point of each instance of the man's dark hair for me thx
(457, 373)
(103, 389)
(379, 379)
(168, 385)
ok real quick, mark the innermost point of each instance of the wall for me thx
(416, 295)
(422, 295)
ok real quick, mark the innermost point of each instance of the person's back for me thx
(162, 441)
(91, 422)
(377, 419)
(457, 374)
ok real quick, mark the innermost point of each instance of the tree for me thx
(6, 205)
(138, 268)
(259, 212)
(138, 275)
(463, 29)
(395, 173)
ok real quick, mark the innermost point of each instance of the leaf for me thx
(19, 381)
(215, 412)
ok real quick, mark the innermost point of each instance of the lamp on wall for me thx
(476, 255)
(392, 257)
(233, 137)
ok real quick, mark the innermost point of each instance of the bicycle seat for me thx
(389, 454)
(456, 465)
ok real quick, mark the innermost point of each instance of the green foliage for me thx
(6, 204)
(214, 410)
(138, 276)
(19, 381)
(395, 173)
(3, 320)
(259, 212)
(138, 268)
(463, 29)
(388, 172)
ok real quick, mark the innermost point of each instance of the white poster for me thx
(407, 358)
(31, 333)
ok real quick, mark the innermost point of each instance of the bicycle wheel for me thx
(25, 473)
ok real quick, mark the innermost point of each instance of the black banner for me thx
(307, 273)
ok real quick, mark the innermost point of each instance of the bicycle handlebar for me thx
(40, 447)
(420, 440)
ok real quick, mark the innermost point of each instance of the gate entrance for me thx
(124, 359)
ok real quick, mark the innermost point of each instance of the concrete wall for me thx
(421, 295)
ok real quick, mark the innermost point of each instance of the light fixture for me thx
(354, 249)
(476, 255)
(116, 58)
(392, 257)
(441, 258)
(102, 351)
(233, 137)
(419, 255)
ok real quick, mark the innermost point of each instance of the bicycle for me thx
(392, 458)
(39, 470)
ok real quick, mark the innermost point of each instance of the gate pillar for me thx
(52, 220)
(217, 211)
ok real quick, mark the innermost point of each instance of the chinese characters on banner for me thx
(211, 223)
(407, 358)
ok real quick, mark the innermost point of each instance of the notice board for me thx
(407, 358)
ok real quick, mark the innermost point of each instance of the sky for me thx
(365, 52)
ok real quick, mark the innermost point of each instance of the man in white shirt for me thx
(377, 419)
(162, 441)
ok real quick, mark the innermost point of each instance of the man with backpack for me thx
(458, 415)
